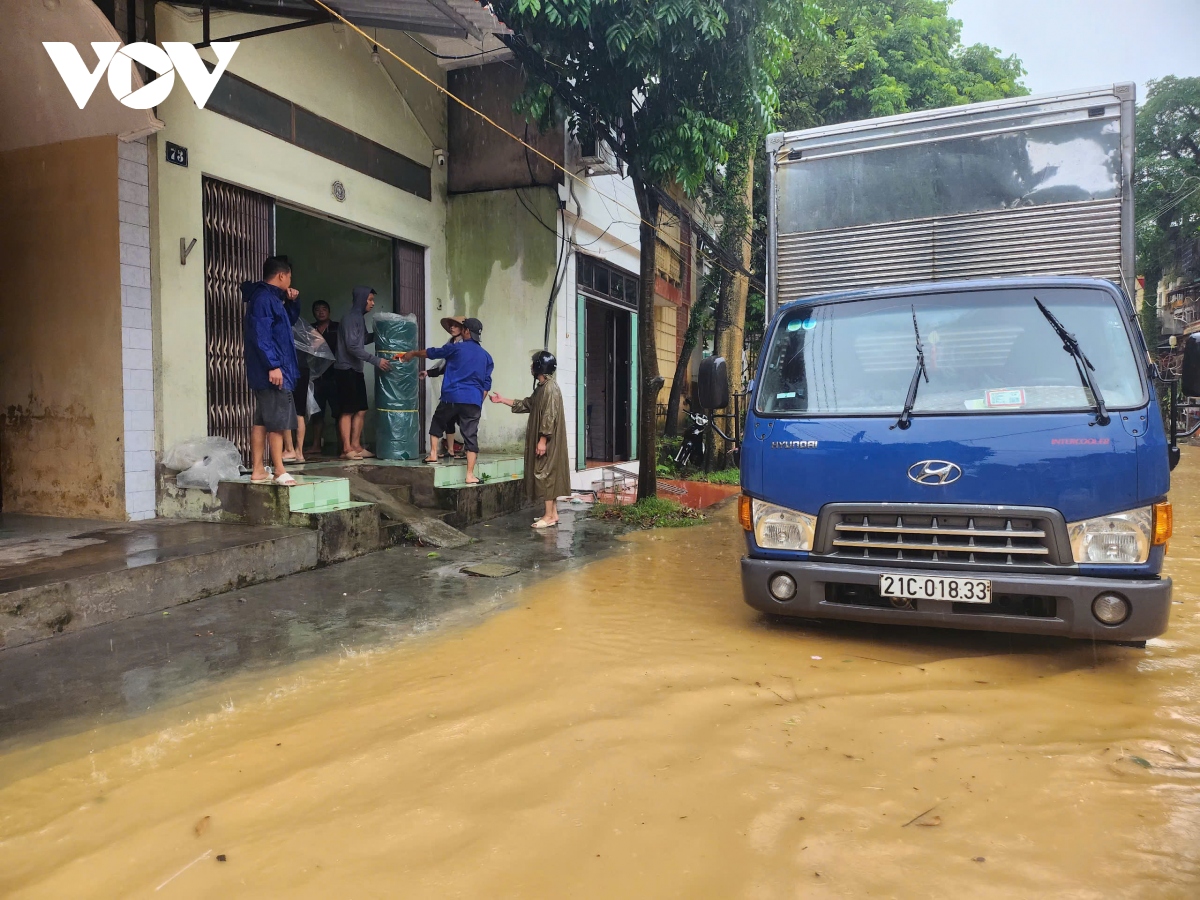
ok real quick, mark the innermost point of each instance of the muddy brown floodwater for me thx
(631, 729)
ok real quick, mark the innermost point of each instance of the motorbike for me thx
(691, 451)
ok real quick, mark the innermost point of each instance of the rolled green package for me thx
(398, 417)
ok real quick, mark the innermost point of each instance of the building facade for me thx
(316, 143)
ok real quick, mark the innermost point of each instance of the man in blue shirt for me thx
(467, 379)
(271, 367)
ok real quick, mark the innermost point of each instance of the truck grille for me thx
(1006, 540)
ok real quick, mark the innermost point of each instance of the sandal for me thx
(540, 524)
(285, 480)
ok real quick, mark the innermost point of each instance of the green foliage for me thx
(666, 82)
(650, 512)
(725, 476)
(882, 57)
(1167, 176)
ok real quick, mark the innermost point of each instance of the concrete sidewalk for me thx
(125, 667)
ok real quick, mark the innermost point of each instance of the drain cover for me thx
(490, 570)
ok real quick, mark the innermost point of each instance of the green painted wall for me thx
(501, 258)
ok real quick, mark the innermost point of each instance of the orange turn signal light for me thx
(744, 514)
(1164, 523)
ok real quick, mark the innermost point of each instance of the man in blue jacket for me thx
(468, 377)
(271, 366)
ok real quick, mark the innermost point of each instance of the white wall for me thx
(137, 334)
(325, 69)
(602, 227)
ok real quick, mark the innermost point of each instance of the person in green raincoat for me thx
(547, 465)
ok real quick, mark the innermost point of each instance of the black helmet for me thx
(544, 363)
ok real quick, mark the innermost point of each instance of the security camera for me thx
(440, 156)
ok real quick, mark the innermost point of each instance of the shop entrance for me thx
(607, 408)
(241, 229)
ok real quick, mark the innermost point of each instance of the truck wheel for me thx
(1141, 645)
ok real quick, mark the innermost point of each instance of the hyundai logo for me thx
(934, 471)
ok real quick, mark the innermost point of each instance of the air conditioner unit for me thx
(595, 156)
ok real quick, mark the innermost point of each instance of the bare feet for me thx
(351, 455)
(259, 476)
(432, 459)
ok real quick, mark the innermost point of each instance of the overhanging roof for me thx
(446, 18)
(35, 106)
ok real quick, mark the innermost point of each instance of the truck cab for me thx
(978, 454)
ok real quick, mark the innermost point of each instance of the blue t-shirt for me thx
(468, 372)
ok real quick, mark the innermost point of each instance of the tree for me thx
(699, 317)
(663, 82)
(1167, 175)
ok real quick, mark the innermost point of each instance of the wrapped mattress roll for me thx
(398, 422)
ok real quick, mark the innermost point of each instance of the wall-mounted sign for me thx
(339, 192)
(176, 154)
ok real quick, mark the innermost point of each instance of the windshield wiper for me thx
(1082, 363)
(910, 401)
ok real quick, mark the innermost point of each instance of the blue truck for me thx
(954, 420)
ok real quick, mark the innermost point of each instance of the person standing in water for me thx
(348, 371)
(547, 465)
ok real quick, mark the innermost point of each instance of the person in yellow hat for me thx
(444, 422)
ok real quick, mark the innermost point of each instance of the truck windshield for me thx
(985, 351)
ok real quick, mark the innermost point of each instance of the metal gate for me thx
(238, 236)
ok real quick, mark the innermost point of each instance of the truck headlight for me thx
(1121, 538)
(780, 528)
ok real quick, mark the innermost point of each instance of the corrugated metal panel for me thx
(237, 238)
(1065, 239)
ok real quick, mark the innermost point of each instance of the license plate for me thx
(934, 587)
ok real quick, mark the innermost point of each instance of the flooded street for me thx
(631, 728)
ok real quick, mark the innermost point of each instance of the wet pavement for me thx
(40, 550)
(627, 727)
(122, 669)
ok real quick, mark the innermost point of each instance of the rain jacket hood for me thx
(267, 335)
(353, 336)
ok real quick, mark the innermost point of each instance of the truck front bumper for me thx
(1064, 602)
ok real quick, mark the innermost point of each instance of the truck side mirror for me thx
(1189, 377)
(713, 388)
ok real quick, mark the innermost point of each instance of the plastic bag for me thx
(313, 407)
(312, 349)
(204, 463)
(398, 423)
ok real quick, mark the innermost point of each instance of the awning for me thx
(35, 106)
(446, 18)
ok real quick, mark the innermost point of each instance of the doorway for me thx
(329, 257)
(607, 377)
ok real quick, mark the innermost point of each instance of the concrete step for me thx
(346, 528)
(84, 574)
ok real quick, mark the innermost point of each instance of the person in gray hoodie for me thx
(349, 380)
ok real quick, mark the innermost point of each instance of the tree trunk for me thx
(651, 381)
(690, 338)
(735, 288)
